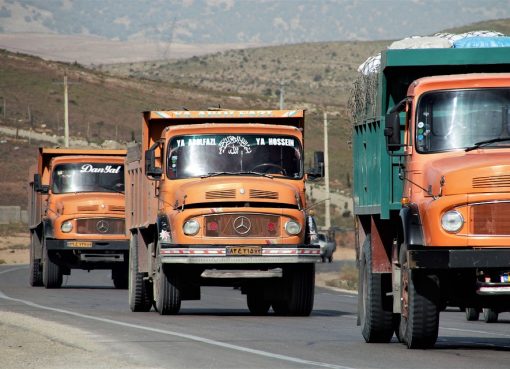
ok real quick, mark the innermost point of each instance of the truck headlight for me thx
(452, 221)
(292, 227)
(67, 226)
(191, 227)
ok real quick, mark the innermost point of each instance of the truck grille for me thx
(84, 208)
(490, 219)
(231, 194)
(242, 225)
(116, 208)
(100, 226)
(225, 194)
(259, 194)
(491, 182)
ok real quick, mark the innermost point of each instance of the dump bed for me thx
(377, 187)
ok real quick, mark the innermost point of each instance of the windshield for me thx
(87, 177)
(204, 155)
(459, 119)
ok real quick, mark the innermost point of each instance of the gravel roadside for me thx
(28, 342)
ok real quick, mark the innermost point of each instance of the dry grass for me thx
(346, 279)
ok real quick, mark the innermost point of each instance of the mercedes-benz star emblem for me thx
(242, 225)
(102, 226)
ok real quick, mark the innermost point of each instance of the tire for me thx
(302, 286)
(35, 278)
(299, 287)
(168, 297)
(138, 289)
(472, 314)
(51, 272)
(419, 321)
(280, 308)
(120, 278)
(490, 315)
(376, 315)
(256, 302)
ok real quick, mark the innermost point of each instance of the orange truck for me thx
(217, 198)
(432, 190)
(77, 215)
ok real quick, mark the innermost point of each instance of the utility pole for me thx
(66, 113)
(66, 108)
(326, 173)
(282, 95)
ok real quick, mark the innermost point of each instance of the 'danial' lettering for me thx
(89, 168)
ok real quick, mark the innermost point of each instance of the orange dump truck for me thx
(217, 198)
(76, 215)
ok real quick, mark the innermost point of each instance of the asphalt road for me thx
(92, 320)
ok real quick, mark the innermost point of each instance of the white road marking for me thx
(474, 331)
(12, 269)
(180, 335)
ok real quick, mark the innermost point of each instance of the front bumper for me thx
(88, 245)
(88, 254)
(218, 254)
(459, 259)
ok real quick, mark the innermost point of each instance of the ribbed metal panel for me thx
(490, 219)
(222, 194)
(100, 226)
(88, 208)
(116, 208)
(491, 182)
(260, 194)
(242, 225)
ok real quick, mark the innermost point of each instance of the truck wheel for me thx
(419, 321)
(35, 277)
(120, 278)
(138, 291)
(490, 315)
(280, 308)
(302, 290)
(376, 320)
(51, 273)
(299, 288)
(472, 314)
(168, 295)
(256, 302)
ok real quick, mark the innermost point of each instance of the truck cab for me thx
(77, 215)
(227, 207)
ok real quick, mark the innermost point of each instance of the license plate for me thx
(244, 250)
(79, 243)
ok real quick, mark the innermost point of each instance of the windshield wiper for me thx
(257, 174)
(111, 188)
(214, 174)
(486, 142)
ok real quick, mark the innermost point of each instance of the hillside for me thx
(103, 107)
(100, 108)
(315, 74)
(498, 25)
(106, 103)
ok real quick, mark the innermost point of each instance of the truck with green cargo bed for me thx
(431, 151)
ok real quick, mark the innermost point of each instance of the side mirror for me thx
(317, 171)
(151, 170)
(38, 186)
(392, 131)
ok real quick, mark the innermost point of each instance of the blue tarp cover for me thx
(473, 42)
